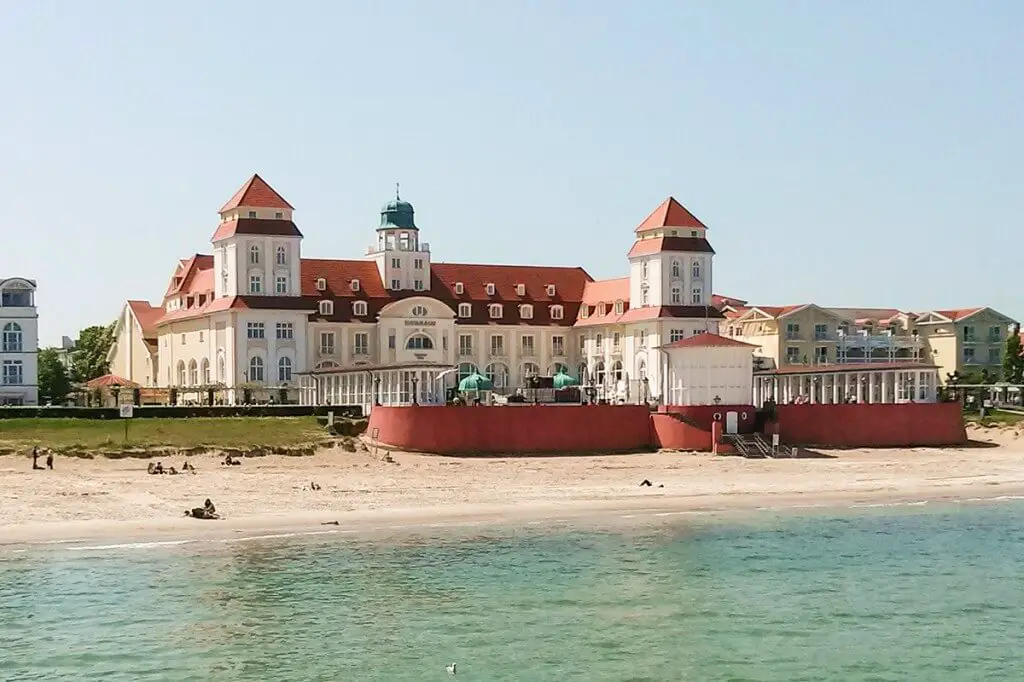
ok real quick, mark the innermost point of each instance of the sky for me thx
(840, 153)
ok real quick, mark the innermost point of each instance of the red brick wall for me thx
(872, 425)
(461, 430)
(703, 415)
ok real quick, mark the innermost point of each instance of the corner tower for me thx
(670, 263)
(402, 260)
(257, 247)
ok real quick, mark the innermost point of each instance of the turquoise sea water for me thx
(922, 595)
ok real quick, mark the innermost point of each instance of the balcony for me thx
(867, 342)
(372, 249)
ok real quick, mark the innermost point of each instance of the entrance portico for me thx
(848, 383)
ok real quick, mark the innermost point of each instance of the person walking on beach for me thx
(35, 458)
(49, 461)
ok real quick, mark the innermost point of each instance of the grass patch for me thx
(228, 432)
(994, 418)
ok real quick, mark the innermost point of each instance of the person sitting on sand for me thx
(158, 468)
(313, 485)
(151, 468)
(207, 511)
(172, 471)
(188, 467)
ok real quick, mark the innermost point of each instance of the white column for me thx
(857, 377)
(871, 387)
(885, 387)
(835, 389)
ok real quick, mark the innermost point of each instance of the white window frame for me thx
(326, 308)
(284, 331)
(557, 312)
(490, 288)
(255, 330)
(354, 285)
(495, 311)
(254, 254)
(526, 311)
(460, 288)
(281, 285)
(362, 348)
(359, 308)
(465, 310)
(255, 284)
(321, 284)
(327, 343)
(551, 290)
(282, 255)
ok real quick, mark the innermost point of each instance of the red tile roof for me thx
(722, 301)
(651, 313)
(645, 247)
(185, 273)
(852, 367)
(147, 315)
(256, 226)
(670, 213)
(776, 310)
(256, 193)
(959, 313)
(707, 340)
(606, 291)
(108, 380)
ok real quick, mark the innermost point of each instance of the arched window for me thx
(559, 368)
(695, 270)
(529, 369)
(526, 311)
(254, 254)
(617, 370)
(181, 372)
(256, 369)
(581, 372)
(193, 373)
(282, 256)
(205, 368)
(641, 370)
(675, 269)
(419, 311)
(222, 373)
(643, 270)
(497, 372)
(284, 370)
(557, 312)
(419, 342)
(466, 369)
(599, 373)
(13, 338)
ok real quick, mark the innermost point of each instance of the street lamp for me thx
(415, 382)
(376, 390)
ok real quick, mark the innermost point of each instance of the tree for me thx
(89, 359)
(1013, 359)
(54, 383)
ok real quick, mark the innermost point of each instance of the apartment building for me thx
(19, 343)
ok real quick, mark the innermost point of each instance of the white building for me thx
(708, 369)
(395, 324)
(19, 343)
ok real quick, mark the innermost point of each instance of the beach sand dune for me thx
(110, 498)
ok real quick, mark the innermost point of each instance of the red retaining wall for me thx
(452, 430)
(872, 426)
(673, 434)
(703, 415)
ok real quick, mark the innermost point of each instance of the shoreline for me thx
(103, 500)
(639, 511)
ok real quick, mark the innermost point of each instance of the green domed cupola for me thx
(397, 214)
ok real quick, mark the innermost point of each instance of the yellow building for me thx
(964, 341)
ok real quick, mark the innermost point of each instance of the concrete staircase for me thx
(750, 445)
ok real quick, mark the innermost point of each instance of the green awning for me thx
(561, 380)
(476, 382)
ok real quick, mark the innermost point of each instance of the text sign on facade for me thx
(127, 411)
(421, 323)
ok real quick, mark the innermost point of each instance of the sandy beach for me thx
(101, 498)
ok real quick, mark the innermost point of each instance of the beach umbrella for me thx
(562, 380)
(476, 382)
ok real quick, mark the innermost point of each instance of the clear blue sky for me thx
(843, 153)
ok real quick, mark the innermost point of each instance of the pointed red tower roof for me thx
(257, 194)
(670, 213)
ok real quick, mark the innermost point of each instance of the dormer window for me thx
(358, 308)
(495, 311)
(278, 216)
(254, 254)
(354, 284)
(619, 307)
(584, 311)
(490, 288)
(465, 310)
(326, 308)
(252, 214)
(321, 284)
(520, 290)
(600, 309)
(526, 311)
(551, 290)
(459, 289)
(557, 312)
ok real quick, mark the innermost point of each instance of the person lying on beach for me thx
(230, 461)
(207, 511)
(313, 486)
(172, 471)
